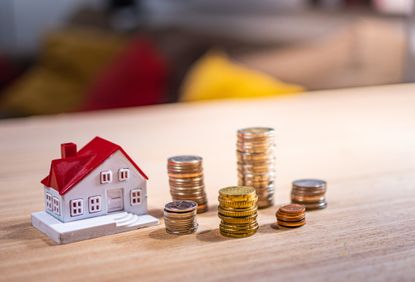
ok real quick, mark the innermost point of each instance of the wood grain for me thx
(360, 140)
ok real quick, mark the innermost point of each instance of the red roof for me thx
(67, 172)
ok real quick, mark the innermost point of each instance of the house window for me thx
(76, 207)
(135, 196)
(106, 176)
(48, 202)
(56, 206)
(123, 174)
(94, 204)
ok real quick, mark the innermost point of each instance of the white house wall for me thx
(91, 186)
(56, 194)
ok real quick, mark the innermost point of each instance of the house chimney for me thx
(68, 150)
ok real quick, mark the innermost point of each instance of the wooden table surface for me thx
(362, 141)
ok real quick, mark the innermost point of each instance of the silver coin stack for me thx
(186, 180)
(310, 193)
(256, 162)
(180, 217)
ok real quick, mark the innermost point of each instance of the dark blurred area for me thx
(73, 55)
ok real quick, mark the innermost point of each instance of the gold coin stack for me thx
(292, 215)
(310, 193)
(238, 211)
(180, 217)
(256, 162)
(186, 180)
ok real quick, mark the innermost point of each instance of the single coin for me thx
(291, 224)
(180, 206)
(237, 193)
(290, 219)
(237, 234)
(241, 204)
(184, 159)
(238, 228)
(237, 213)
(311, 200)
(182, 232)
(256, 132)
(309, 183)
(292, 209)
(238, 220)
(184, 175)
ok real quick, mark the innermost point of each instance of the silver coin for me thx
(180, 206)
(184, 159)
(309, 183)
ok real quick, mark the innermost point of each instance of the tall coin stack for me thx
(310, 193)
(186, 180)
(180, 217)
(238, 211)
(256, 162)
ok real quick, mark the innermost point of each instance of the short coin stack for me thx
(180, 217)
(186, 180)
(256, 162)
(310, 193)
(292, 215)
(238, 211)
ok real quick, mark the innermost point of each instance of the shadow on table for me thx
(212, 235)
(161, 234)
(24, 232)
(271, 228)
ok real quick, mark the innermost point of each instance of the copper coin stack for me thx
(256, 162)
(310, 193)
(292, 215)
(238, 211)
(186, 180)
(180, 217)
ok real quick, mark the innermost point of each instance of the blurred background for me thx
(83, 55)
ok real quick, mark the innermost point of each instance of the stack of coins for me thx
(186, 180)
(310, 193)
(292, 215)
(238, 211)
(256, 162)
(180, 217)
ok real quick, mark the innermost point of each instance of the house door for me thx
(115, 200)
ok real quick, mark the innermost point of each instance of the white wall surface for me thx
(23, 23)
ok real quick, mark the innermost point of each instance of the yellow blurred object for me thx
(214, 76)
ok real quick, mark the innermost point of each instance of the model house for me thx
(98, 181)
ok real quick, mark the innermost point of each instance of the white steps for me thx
(128, 220)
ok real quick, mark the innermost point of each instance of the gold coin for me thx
(237, 193)
(238, 220)
(238, 205)
(237, 213)
(238, 227)
(237, 234)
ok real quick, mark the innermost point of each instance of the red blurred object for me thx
(137, 77)
(66, 172)
(8, 71)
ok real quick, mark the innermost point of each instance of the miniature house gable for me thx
(107, 197)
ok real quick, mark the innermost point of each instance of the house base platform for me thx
(89, 228)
